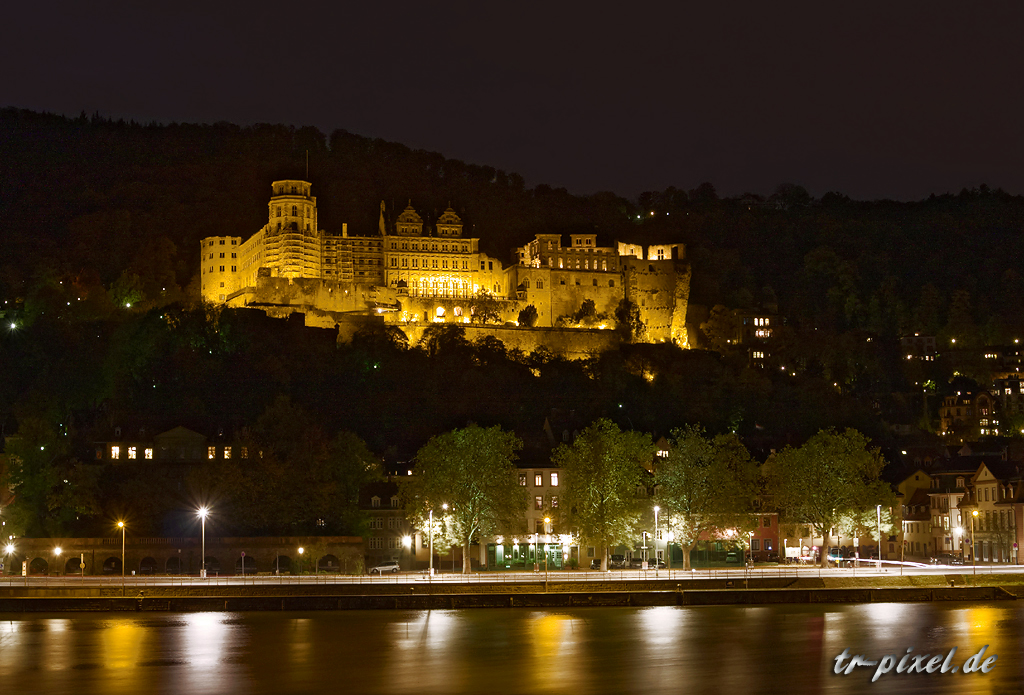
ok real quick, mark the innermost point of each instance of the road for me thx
(576, 576)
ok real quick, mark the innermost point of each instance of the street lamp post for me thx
(974, 548)
(547, 532)
(203, 512)
(878, 510)
(407, 543)
(56, 554)
(430, 531)
(656, 510)
(120, 525)
(444, 507)
(301, 551)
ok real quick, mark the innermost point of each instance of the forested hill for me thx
(91, 198)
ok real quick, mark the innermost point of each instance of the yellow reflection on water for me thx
(122, 641)
(553, 647)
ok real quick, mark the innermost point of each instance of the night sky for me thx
(875, 100)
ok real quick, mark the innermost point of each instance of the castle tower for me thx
(292, 238)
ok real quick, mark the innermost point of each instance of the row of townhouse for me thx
(950, 499)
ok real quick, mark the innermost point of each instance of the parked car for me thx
(595, 564)
(389, 566)
(947, 559)
(733, 557)
(617, 562)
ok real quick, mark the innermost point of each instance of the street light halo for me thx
(203, 512)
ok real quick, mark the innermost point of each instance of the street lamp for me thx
(974, 549)
(120, 525)
(56, 554)
(656, 510)
(203, 512)
(301, 551)
(444, 507)
(8, 552)
(878, 509)
(547, 532)
(430, 532)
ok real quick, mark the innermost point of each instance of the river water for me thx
(777, 649)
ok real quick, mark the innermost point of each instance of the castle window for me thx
(415, 263)
(234, 255)
(221, 242)
(562, 281)
(394, 262)
(222, 255)
(222, 269)
(482, 265)
(444, 264)
(526, 284)
(222, 296)
(464, 265)
(577, 281)
(490, 265)
(234, 269)
(540, 284)
(278, 211)
(434, 263)
(595, 282)
(294, 190)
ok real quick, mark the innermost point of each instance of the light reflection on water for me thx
(760, 649)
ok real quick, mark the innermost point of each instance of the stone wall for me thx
(570, 343)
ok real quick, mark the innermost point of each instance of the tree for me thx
(628, 321)
(706, 485)
(528, 316)
(603, 469)
(472, 471)
(832, 477)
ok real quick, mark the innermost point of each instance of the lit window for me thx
(554, 501)
(227, 452)
(375, 501)
(211, 452)
(538, 502)
(115, 452)
(538, 480)
(522, 479)
(132, 452)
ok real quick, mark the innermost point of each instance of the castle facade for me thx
(412, 272)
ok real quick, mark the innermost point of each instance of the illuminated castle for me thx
(410, 272)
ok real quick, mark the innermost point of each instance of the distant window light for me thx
(375, 501)
(554, 479)
(132, 452)
(149, 454)
(227, 452)
(211, 452)
(115, 452)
